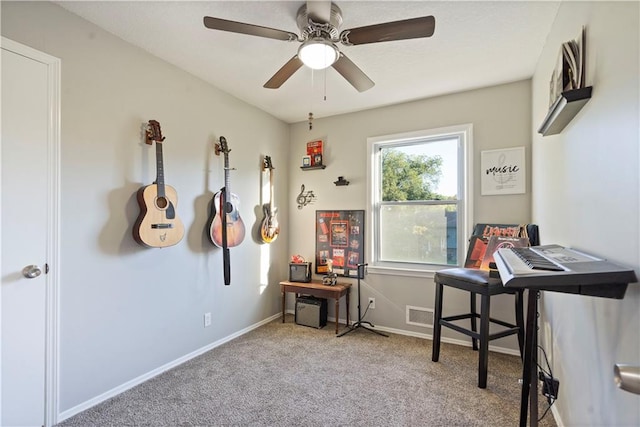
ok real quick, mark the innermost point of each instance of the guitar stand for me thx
(360, 323)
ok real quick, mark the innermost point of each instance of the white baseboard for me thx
(145, 377)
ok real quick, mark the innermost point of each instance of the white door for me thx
(29, 126)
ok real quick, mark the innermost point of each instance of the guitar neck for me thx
(227, 188)
(271, 190)
(159, 170)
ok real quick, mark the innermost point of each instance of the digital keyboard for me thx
(559, 269)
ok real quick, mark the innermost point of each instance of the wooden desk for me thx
(317, 289)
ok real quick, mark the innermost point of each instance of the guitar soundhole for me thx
(228, 207)
(162, 203)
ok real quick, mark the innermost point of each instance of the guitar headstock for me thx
(266, 163)
(154, 133)
(221, 147)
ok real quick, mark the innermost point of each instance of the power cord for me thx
(550, 385)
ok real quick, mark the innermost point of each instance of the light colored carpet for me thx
(292, 375)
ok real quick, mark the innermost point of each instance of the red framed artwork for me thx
(340, 239)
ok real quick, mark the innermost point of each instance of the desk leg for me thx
(284, 302)
(529, 368)
(337, 312)
(347, 297)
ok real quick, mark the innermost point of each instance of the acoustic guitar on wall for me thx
(158, 225)
(225, 209)
(270, 228)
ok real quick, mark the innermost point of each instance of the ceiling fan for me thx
(319, 24)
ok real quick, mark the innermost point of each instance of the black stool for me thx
(476, 282)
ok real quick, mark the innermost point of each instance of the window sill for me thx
(405, 271)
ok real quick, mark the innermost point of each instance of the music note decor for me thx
(305, 197)
(502, 171)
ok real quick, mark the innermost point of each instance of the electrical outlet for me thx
(550, 386)
(207, 319)
(372, 303)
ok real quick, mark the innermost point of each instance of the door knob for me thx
(31, 271)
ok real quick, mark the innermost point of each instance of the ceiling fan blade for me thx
(319, 10)
(352, 73)
(389, 31)
(250, 29)
(283, 74)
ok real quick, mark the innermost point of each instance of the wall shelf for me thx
(306, 168)
(568, 104)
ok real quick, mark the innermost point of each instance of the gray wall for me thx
(128, 311)
(586, 195)
(501, 117)
(125, 310)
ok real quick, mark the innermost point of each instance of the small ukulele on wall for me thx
(158, 225)
(270, 229)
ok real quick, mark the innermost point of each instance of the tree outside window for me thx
(417, 199)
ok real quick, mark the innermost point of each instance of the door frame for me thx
(52, 278)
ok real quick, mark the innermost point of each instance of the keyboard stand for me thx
(529, 395)
(595, 277)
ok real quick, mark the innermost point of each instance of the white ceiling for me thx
(475, 44)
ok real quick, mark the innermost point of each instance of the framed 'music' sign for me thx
(339, 242)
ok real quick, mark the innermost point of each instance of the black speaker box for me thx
(300, 272)
(311, 311)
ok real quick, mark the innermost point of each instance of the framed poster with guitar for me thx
(340, 239)
(158, 224)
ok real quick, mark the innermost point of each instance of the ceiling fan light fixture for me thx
(318, 53)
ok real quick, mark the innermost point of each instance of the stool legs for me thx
(483, 360)
(437, 327)
(474, 314)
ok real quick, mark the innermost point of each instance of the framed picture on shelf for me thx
(315, 151)
(340, 239)
(306, 161)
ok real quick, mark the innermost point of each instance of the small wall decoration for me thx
(502, 171)
(305, 197)
(339, 242)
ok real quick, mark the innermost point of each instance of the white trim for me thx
(52, 324)
(145, 377)
(151, 374)
(465, 204)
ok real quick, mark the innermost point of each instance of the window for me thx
(419, 198)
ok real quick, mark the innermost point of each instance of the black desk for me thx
(598, 278)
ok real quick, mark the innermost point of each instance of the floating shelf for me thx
(306, 168)
(568, 104)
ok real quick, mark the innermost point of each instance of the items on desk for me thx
(329, 279)
(299, 270)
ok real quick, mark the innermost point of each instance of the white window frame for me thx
(464, 133)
